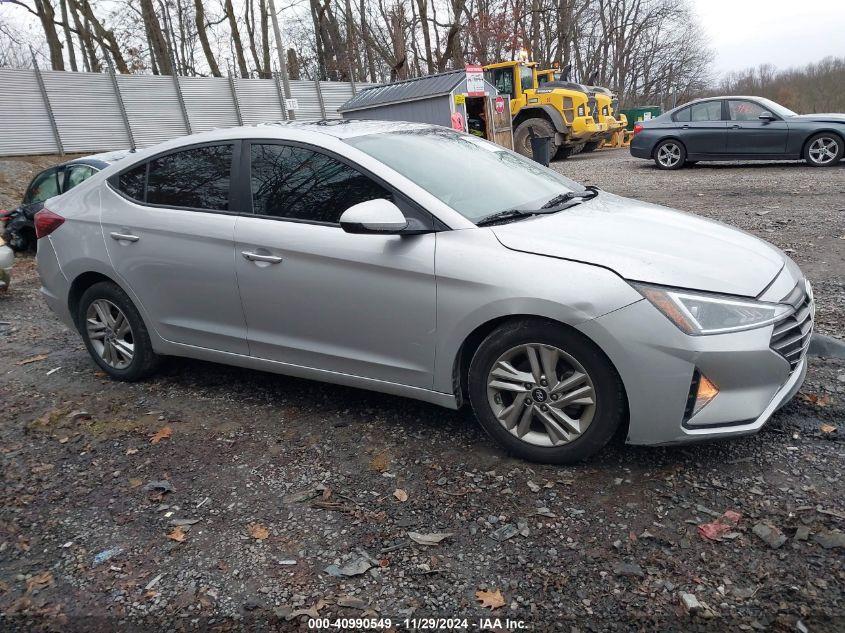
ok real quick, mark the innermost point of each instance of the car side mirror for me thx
(766, 116)
(377, 216)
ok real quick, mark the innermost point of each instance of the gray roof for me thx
(408, 90)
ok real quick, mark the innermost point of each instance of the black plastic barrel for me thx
(541, 149)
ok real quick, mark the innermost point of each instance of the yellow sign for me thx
(460, 99)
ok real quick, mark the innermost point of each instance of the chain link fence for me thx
(49, 112)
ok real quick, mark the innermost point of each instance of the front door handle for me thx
(736, 127)
(685, 127)
(258, 257)
(124, 237)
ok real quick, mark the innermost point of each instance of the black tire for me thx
(144, 360)
(609, 393)
(591, 146)
(677, 150)
(522, 136)
(834, 143)
(690, 163)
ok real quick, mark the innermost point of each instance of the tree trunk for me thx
(422, 5)
(71, 54)
(236, 38)
(47, 15)
(103, 35)
(157, 42)
(202, 33)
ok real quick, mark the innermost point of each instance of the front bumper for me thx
(583, 128)
(656, 362)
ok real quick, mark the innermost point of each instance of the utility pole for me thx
(283, 67)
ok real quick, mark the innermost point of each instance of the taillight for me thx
(4, 216)
(46, 222)
(638, 128)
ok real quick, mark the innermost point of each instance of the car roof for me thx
(703, 99)
(345, 128)
(100, 161)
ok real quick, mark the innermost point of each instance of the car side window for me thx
(45, 185)
(301, 184)
(745, 110)
(75, 174)
(682, 115)
(196, 178)
(132, 182)
(706, 111)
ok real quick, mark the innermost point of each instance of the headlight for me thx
(581, 110)
(699, 313)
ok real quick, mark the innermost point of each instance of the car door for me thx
(701, 128)
(318, 297)
(168, 225)
(748, 134)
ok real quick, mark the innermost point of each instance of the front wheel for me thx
(522, 135)
(670, 154)
(544, 392)
(824, 150)
(114, 333)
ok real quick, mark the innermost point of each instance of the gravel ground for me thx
(213, 497)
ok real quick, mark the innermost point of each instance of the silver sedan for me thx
(418, 261)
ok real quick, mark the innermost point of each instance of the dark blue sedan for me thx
(739, 128)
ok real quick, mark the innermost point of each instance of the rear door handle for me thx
(736, 127)
(258, 257)
(123, 237)
(685, 127)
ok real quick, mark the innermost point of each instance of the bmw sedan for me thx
(739, 128)
(414, 260)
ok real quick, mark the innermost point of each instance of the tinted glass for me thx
(76, 174)
(707, 111)
(131, 182)
(195, 178)
(526, 77)
(502, 78)
(683, 115)
(745, 110)
(292, 182)
(474, 177)
(45, 185)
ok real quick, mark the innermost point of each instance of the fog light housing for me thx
(701, 393)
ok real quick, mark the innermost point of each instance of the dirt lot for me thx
(224, 498)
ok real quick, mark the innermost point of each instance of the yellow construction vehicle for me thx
(603, 105)
(559, 113)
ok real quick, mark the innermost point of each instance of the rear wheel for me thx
(824, 150)
(114, 333)
(591, 146)
(544, 392)
(670, 154)
(522, 134)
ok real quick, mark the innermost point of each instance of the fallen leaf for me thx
(381, 462)
(258, 531)
(353, 568)
(429, 539)
(312, 613)
(162, 434)
(352, 602)
(39, 581)
(715, 530)
(827, 429)
(178, 534)
(490, 599)
(131, 451)
(32, 359)
(816, 399)
(134, 482)
(401, 495)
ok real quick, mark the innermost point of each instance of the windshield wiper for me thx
(589, 193)
(508, 214)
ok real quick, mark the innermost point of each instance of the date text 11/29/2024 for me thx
(417, 624)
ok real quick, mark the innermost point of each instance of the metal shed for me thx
(435, 99)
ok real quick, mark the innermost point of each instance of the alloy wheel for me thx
(823, 150)
(541, 394)
(669, 154)
(110, 333)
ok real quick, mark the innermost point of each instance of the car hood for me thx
(819, 118)
(646, 242)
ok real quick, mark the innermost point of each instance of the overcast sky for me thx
(781, 32)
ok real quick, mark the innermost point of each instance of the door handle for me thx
(736, 127)
(685, 127)
(258, 257)
(123, 237)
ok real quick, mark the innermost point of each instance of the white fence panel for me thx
(153, 108)
(335, 94)
(87, 111)
(209, 102)
(24, 124)
(259, 100)
(306, 95)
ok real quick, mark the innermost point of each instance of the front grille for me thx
(791, 335)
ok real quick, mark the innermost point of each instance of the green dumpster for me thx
(641, 114)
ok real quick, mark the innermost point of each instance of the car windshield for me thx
(777, 108)
(473, 176)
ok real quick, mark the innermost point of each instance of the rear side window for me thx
(196, 178)
(76, 174)
(131, 182)
(707, 111)
(45, 185)
(300, 184)
(682, 115)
